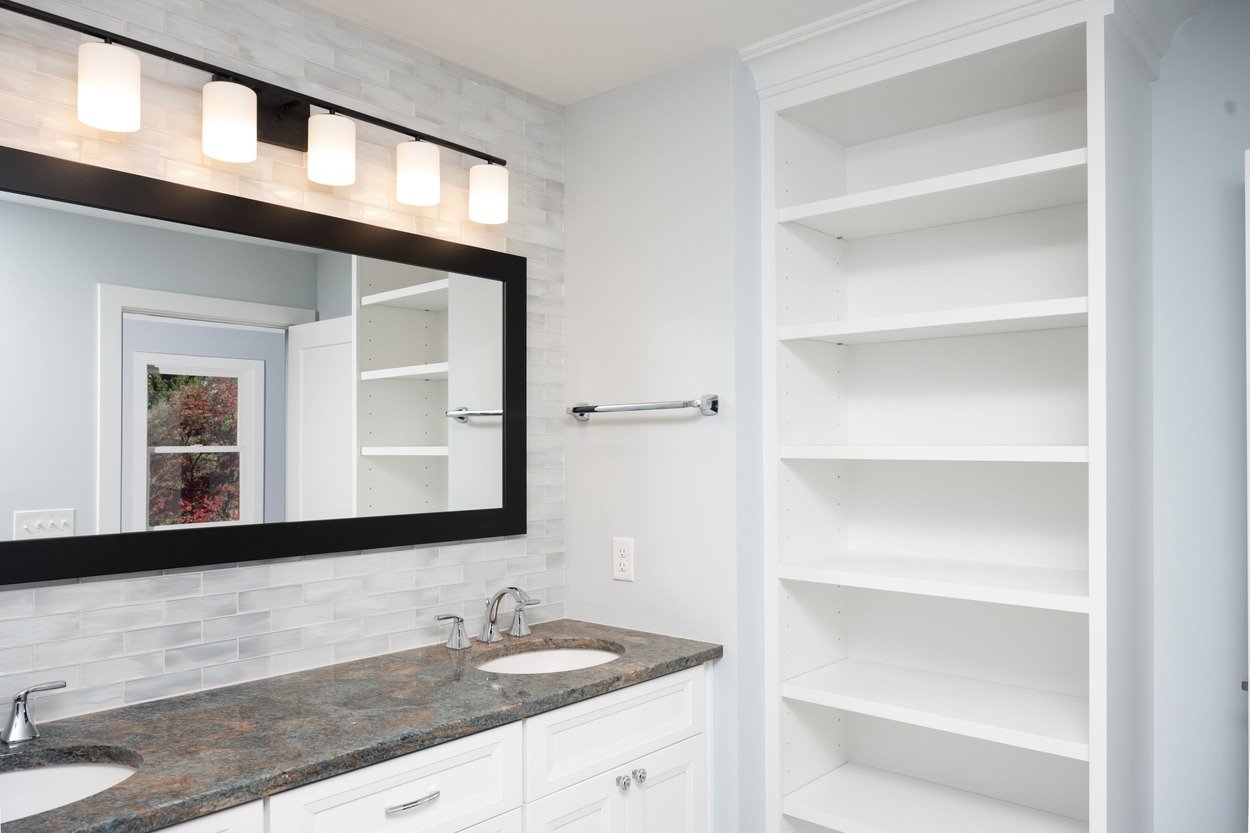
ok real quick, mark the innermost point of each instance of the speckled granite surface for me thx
(212, 750)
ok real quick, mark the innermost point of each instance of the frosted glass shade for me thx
(108, 87)
(488, 194)
(331, 149)
(229, 132)
(417, 174)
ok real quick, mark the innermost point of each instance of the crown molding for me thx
(823, 26)
(768, 59)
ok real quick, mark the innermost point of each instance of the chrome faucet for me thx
(458, 640)
(20, 728)
(490, 628)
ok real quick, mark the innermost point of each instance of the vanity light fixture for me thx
(488, 194)
(109, 99)
(418, 173)
(108, 87)
(229, 123)
(331, 149)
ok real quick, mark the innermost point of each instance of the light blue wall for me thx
(1201, 131)
(50, 265)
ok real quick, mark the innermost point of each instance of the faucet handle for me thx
(20, 728)
(25, 693)
(458, 640)
(519, 626)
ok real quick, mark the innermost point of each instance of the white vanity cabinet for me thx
(631, 761)
(246, 818)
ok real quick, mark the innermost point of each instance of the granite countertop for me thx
(208, 751)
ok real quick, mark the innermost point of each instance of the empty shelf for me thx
(404, 451)
(1003, 318)
(860, 799)
(1026, 185)
(431, 296)
(1057, 724)
(1049, 588)
(938, 453)
(417, 372)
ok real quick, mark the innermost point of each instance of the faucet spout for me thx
(490, 625)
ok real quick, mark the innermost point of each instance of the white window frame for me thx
(114, 303)
(250, 437)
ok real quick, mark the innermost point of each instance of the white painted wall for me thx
(1201, 130)
(661, 303)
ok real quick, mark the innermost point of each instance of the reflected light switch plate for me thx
(43, 523)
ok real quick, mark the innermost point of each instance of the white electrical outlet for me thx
(43, 523)
(622, 559)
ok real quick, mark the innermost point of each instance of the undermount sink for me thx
(25, 792)
(548, 660)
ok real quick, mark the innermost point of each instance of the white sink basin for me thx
(550, 661)
(26, 792)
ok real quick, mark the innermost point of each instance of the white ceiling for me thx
(567, 50)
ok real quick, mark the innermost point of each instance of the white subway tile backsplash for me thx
(124, 639)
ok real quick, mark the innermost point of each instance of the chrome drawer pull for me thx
(425, 799)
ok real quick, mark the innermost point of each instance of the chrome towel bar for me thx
(708, 405)
(463, 414)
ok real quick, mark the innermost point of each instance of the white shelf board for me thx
(859, 799)
(1057, 724)
(940, 453)
(418, 372)
(404, 451)
(1056, 314)
(431, 296)
(1011, 188)
(1048, 588)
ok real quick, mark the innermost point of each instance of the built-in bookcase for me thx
(928, 421)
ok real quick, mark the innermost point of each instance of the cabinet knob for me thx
(623, 782)
(640, 775)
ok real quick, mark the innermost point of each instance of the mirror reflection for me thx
(176, 378)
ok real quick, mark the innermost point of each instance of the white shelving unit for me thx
(436, 372)
(1011, 188)
(938, 275)
(861, 799)
(431, 296)
(1058, 314)
(1025, 585)
(404, 451)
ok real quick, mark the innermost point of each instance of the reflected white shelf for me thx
(1057, 724)
(436, 372)
(1059, 313)
(1027, 185)
(404, 451)
(859, 799)
(431, 296)
(941, 453)
(1048, 588)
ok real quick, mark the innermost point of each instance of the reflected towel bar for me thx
(463, 414)
(708, 405)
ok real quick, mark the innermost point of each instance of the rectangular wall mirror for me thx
(203, 379)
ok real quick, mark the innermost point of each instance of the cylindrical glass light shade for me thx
(229, 132)
(108, 87)
(488, 194)
(417, 174)
(331, 149)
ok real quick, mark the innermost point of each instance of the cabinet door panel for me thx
(593, 806)
(672, 797)
(568, 745)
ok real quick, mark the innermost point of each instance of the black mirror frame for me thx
(21, 562)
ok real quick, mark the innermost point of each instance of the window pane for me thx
(193, 488)
(192, 410)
